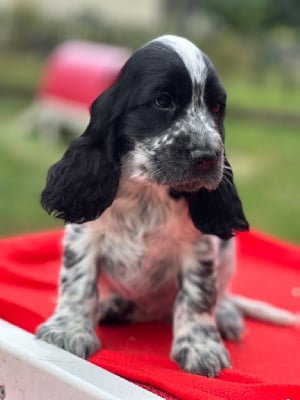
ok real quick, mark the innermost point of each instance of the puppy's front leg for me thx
(197, 345)
(71, 327)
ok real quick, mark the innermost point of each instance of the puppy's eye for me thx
(218, 108)
(164, 101)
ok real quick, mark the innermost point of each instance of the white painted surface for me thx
(33, 370)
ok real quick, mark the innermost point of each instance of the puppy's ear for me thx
(84, 182)
(218, 212)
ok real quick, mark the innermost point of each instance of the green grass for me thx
(273, 95)
(19, 71)
(266, 161)
(9, 107)
(24, 161)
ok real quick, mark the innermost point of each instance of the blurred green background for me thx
(255, 48)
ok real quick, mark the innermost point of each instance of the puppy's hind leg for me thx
(115, 310)
(229, 320)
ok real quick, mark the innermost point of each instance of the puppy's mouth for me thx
(187, 186)
(192, 185)
(192, 179)
(204, 170)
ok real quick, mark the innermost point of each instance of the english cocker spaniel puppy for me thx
(151, 209)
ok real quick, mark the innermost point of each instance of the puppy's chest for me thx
(142, 242)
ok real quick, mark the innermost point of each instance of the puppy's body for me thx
(150, 231)
(142, 242)
(150, 183)
(148, 256)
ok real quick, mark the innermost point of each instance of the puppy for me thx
(151, 209)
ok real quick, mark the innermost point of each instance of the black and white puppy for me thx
(148, 195)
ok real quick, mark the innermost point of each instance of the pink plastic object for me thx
(77, 72)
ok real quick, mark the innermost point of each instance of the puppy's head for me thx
(177, 128)
(162, 121)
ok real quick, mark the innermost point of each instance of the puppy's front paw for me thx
(200, 355)
(73, 337)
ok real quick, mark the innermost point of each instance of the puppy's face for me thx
(174, 124)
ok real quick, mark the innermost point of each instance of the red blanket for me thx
(266, 364)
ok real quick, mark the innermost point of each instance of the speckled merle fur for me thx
(148, 195)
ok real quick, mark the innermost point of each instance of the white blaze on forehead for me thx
(191, 55)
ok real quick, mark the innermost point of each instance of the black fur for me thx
(218, 212)
(84, 182)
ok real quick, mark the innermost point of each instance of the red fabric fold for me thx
(266, 364)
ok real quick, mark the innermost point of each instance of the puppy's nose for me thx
(204, 159)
